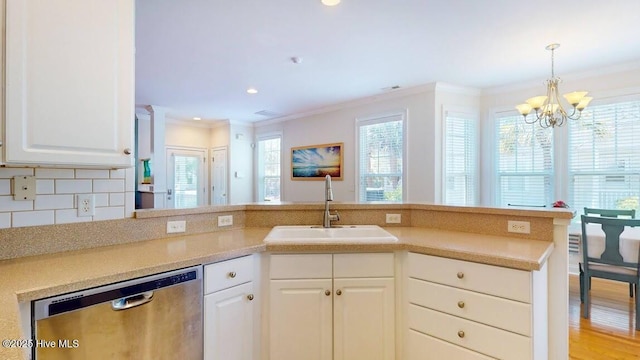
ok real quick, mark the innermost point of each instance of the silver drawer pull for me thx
(250, 297)
(460, 334)
(232, 274)
(460, 275)
(461, 304)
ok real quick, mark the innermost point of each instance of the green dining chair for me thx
(610, 264)
(615, 213)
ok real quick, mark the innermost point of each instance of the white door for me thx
(219, 176)
(364, 321)
(228, 324)
(69, 83)
(185, 178)
(300, 320)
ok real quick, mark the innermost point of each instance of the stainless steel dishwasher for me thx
(155, 317)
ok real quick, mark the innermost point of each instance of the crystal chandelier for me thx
(548, 109)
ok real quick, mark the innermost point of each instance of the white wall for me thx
(422, 176)
(187, 135)
(240, 185)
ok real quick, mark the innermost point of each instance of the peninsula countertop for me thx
(31, 278)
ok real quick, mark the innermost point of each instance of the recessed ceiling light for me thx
(197, 118)
(252, 91)
(331, 2)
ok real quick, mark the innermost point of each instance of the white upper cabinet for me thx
(69, 83)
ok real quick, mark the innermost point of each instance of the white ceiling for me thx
(198, 57)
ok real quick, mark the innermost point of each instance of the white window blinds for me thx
(524, 156)
(381, 148)
(604, 157)
(269, 165)
(460, 159)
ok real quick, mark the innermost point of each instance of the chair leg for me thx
(585, 295)
(581, 286)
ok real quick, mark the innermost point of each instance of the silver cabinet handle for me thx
(132, 301)
(250, 297)
(460, 275)
(460, 334)
(461, 304)
(232, 274)
(127, 151)
(327, 292)
(338, 292)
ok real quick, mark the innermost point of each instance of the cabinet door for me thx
(364, 321)
(300, 319)
(228, 323)
(69, 82)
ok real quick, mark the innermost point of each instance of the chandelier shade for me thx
(548, 109)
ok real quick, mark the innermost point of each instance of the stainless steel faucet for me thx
(328, 196)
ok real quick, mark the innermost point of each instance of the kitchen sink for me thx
(319, 234)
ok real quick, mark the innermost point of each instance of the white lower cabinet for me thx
(229, 310)
(325, 306)
(463, 310)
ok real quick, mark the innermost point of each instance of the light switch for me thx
(24, 187)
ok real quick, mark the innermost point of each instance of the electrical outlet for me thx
(225, 220)
(178, 226)
(394, 218)
(86, 205)
(521, 227)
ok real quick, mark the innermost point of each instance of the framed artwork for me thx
(316, 161)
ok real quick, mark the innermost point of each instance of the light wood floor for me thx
(610, 332)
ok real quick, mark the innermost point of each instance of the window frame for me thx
(259, 179)
(399, 115)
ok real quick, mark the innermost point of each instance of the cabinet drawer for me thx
(228, 273)
(301, 266)
(420, 344)
(502, 313)
(488, 279)
(484, 339)
(363, 265)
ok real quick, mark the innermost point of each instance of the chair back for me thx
(610, 248)
(615, 213)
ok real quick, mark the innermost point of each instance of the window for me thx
(380, 159)
(604, 157)
(460, 158)
(524, 156)
(269, 165)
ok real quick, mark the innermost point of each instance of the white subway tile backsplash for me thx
(116, 199)
(52, 202)
(70, 216)
(45, 186)
(116, 185)
(5, 187)
(92, 174)
(8, 204)
(55, 173)
(56, 189)
(130, 179)
(118, 173)
(73, 186)
(5, 220)
(109, 213)
(33, 218)
(130, 204)
(101, 200)
(8, 173)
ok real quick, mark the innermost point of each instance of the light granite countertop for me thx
(32, 278)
